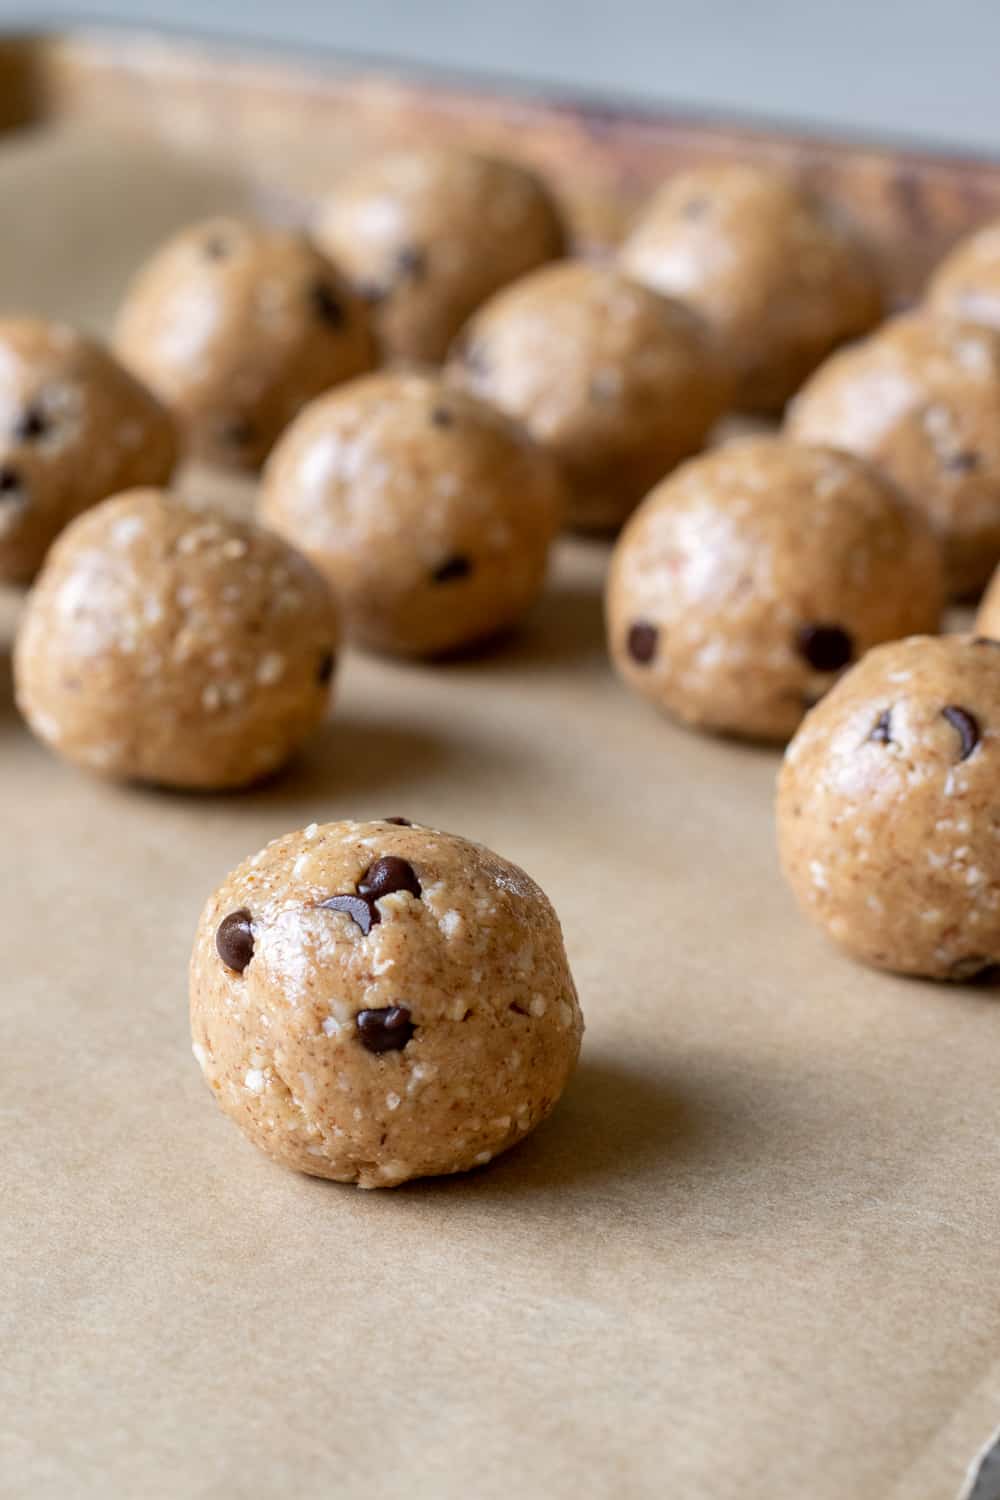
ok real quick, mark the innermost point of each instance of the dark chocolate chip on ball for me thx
(324, 671)
(882, 728)
(641, 642)
(385, 1030)
(400, 822)
(234, 940)
(328, 305)
(827, 648)
(358, 908)
(31, 425)
(452, 569)
(387, 876)
(10, 480)
(966, 725)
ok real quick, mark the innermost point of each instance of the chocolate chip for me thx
(411, 261)
(31, 424)
(442, 417)
(882, 731)
(641, 642)
(826, 648)
(967, 726)
(234, 940)
(386, 1030)
(361, 911)
(400, 822)
(328, 305)
(386, 876)
(452, 569)
(976, 969)
(324, 671)
(10, 480)
(964, 462)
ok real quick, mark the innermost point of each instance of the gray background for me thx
(925, 69)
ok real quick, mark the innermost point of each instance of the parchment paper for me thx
(754, 1254)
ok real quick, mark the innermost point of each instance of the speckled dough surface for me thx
(619, 383)
(429, 512)
(169, 644)
(75, 427)
(889, 808)
(966, 285)
(778, 275)
(755, 574)
(426, 235)
(236, 326)
(921, 398)
(373, 1002)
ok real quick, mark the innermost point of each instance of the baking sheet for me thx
(753, 1253)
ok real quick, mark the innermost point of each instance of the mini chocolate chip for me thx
(328, 305)
(324, 671)
(964, 462)
(518, 1009)
(386, 876)
(967, 726)
(826, 648)
(234, 940)
(31, 424)
(882, 732)
(400, 822)
(385, 1030)
(411, 261)
(641, 642)
(10, 479)
(452, 569)
(442, 417)
(365, 913)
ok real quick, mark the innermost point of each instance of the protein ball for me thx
(617, 382)
(966, 285)
(888, 804)
(75, 427)
(429, 513)
(921, 399)
(775, 271)
(236, 326)
(750, 579)
(372, 1002)
(428, 234)
(166, 643)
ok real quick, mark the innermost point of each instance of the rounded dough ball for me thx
(237, 326)
(777, 274)
(373, 1002)
(966, 285)
(169, 644)
(75, 427)
(888, 804)
(619, 383)
(429, 513)
(747, 581)
(427, 235)
(988, 616)
(921, 398)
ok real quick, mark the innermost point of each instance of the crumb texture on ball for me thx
(430, 513)
(752, 577)
(406, 1008)
(167, 643)
(616, 381)
(888, 808)
(236, 326)
(777, 272)
(921, 399)
(427, 234)
(75, 427)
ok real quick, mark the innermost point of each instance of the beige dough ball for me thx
(375, 1001)
(921, 398)
(75, 427)
(747, 581)
(166, 643)
(988, 617)
(888, 805)
(427, 235)
(429, 513)
(620, 384)
(237, 326)
(966, 285)
(780, 278)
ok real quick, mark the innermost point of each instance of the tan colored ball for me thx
(921, 399)
(75, 427)
(888, 807)
(427, 234)
(751, 578)
(776, 272)
(618, 383)
(966, 285)
(430, 513)
(236, 326)
(166, 643)
(373, 1002)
